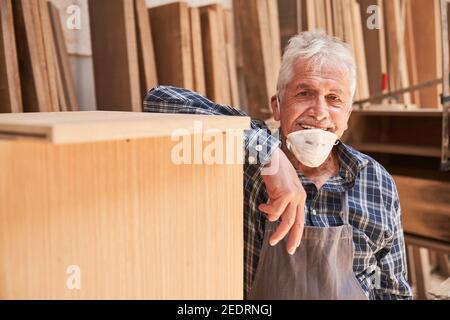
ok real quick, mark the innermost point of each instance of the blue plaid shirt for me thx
(379, 248)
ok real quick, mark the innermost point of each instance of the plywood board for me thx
(374, 46)
(107, 210)
(258, 71)
(31, 57)
(67, 97)
(172, 42)
(230, 42)
(215, 54)
(114, 53)
(91, 126)
(427, 34)
(147, 64)
(10, 93)
(425, 207)
(197, 51)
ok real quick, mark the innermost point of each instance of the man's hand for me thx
(287, 200)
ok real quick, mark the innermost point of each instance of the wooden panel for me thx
(197, 51)
(255, 36)
(214, 54)
(67, 97)
(10, 94)
(147, 65)
(426, 26)
(114, 52)
(395, 36)
(425, 207)
(172, 41)
(230, 39)
(410, 48)
(289, 12)
(88, 126)
(31, 57)
(374, 45)
(49, 52)
(108, 208)
(360, 56)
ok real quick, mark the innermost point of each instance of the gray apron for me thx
(320, 269)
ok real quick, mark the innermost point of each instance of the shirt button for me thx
(314, 212)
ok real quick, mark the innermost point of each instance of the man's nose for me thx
(319, 110)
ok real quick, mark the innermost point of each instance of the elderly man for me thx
(325, 224)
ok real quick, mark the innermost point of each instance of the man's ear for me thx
(275, 103)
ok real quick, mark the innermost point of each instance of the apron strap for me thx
(345, 208)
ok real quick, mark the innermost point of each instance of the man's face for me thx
(317, 97)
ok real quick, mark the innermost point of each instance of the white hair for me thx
(318, 48)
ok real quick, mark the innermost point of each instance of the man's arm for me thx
(168, 99)
(392, 263)
(280, 178)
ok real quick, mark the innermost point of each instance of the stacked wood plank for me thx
(34, 68)
(388, 58)
(258, 26)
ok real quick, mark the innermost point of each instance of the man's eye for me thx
(333, 98)
(303, 93)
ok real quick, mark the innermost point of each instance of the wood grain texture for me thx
(135, 223)
(92, 126)
(67, 97)
(31, 57)
(10, 92)
(215, 54)
(114, 52)
(172, 42)
(258, 72)
(426, 26)
(425, 207)
(197, 51)
(230, 43)
(374, 46)
(146, 52)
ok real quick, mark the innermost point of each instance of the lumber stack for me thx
(34, 68)
(388, 58)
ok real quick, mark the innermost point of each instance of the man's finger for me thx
(274, 209)
(296, 232)
(287, 220)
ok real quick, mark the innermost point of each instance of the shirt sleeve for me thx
(392, 263)
(258, 141)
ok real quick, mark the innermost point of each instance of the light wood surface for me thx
(172, 42)
(197, 51)
(136, 225)
(146, 52)
(89, 126)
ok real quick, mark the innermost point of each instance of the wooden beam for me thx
(427, 37)
(67, 94)
(197, 51)
(114, 52)
(31, 57)
(10, 93)
(230, 39)
(146, 53)
(258, 72)
(214, 54)
(172, 42)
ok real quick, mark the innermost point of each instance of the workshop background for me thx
(79, 55)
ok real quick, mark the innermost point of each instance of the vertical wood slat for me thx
(10, 92)
(172, 42)
(114, 52)
(146, 52)
(31, 57)
(67, 94)
(197, 51)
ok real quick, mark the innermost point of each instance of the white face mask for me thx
(312, 146)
